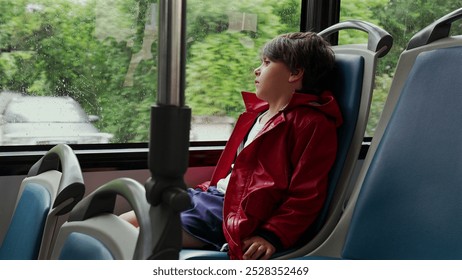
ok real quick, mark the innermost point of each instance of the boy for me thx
(270, 181)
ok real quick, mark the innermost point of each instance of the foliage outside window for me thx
(402, 19)
(103, 54)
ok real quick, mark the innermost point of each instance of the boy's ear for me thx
(296, 75)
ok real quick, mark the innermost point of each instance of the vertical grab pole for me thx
(171, 52)
(169, 134)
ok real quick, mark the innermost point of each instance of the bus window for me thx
(402, 19)
(224, 40)
(102, 56)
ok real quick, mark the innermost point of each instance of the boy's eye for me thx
(266, 61)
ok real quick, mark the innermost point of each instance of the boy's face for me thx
(272, 80)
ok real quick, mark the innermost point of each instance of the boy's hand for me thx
(257, 248)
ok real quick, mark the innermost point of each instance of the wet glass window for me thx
(402, 19)
(101, 56)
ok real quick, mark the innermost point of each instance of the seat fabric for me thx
(23, 238)
(410, 205)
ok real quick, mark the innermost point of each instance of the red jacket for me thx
(279, 181)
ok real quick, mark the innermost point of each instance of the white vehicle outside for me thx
(46, 120)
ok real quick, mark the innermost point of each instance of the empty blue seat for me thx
(89, 248)
(24, 235)
(52, 187)
(407, 200)
(93, 232)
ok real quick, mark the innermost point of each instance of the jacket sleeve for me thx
(313, 153)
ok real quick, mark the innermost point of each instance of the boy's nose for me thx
(257, 71)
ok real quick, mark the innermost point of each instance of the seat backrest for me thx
(23, 237)
(348, 91)
(93, 232)
(406, 203)
(53, 186)
(104, 237)
(353, 84)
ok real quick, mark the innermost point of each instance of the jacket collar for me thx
(325, 102)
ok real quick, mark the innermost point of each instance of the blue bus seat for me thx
(53, 185)
(93, 232)
(23, 238)
(352, 84)
(406, 201)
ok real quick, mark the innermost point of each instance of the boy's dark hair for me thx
(305, 50)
